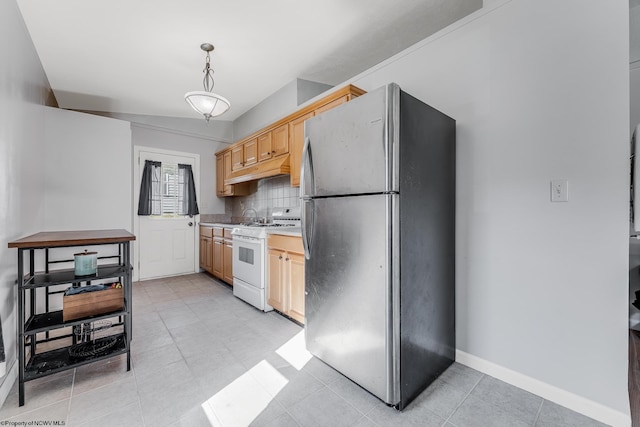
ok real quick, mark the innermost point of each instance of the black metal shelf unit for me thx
(36, 365)
(58, 277)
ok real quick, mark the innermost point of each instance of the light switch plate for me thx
(560, 190)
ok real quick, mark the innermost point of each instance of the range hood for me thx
(263, 169)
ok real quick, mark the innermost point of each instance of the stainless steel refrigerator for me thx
(378, 227)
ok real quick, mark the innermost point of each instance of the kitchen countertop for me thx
(286, 231)
(218, 224)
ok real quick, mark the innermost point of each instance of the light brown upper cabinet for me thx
(220, 174)
(250, 152)
(223, 169)
(228, 189)
(277, 148)
(296, 131)
(264, 146)
(274, 143)
(280, 137)
(333, 104)
(237, 157)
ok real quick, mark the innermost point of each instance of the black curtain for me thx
(149, 202)
(189, 204)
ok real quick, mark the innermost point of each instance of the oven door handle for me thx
(246, 239)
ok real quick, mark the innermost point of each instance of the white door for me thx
(166, 244)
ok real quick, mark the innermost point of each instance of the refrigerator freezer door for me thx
(346, 150)
(348, 315)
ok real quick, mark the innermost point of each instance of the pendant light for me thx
(206, 102)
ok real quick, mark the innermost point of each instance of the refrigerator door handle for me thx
(306, 168)
(307, 226)
(307, 220)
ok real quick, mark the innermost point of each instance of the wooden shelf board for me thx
(52, 239)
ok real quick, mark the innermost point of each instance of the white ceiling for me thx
(141, 56)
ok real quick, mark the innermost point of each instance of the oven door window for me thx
(247, 262)
(246, 255)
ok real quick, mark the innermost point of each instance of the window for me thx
(172, 193)
(167, 190)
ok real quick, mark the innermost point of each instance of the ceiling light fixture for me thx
(206, 102)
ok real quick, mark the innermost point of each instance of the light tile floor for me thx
(202, 357)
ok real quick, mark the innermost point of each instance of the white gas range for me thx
(250, 256)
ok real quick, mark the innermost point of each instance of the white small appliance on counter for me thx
(250, 256)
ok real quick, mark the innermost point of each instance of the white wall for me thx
(267, 111)
(634, 32)
(215, 130)
(634, 59)
(23, 87)
(634, 80)
(276, 106)
(540, 91)
(208, 203)
(88, 172)
(184, 135)
(41, 172)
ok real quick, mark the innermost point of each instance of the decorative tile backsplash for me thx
(271, 193)
(223, 218)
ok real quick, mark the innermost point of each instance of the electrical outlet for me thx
(560, 190)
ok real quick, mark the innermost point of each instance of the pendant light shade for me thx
(208, 104)
(205, 102)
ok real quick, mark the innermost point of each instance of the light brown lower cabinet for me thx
(206, 248)
(206, 253)
(275, 268)
(218, 245)
(296, 286)
(285, 264)
(216, 252)
(227, 257)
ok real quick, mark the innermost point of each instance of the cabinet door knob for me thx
(286, 259)
(280, 257)
(273, 152)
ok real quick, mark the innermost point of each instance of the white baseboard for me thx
(587, 407)
(7, 384)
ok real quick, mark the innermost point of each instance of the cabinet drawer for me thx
(206, 231)
(227, 233)
(285, 243)
(218, 231)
